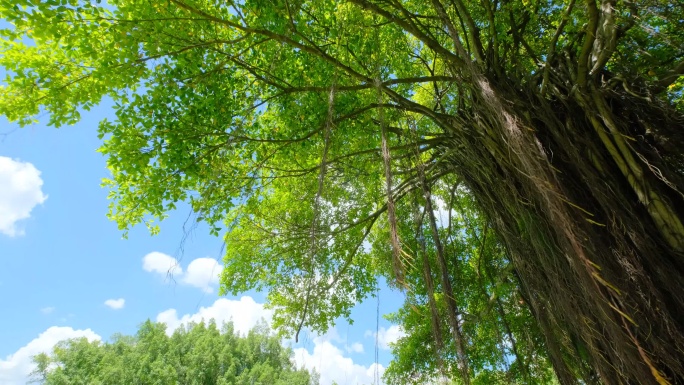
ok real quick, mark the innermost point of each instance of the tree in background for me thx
(304, 126)
(196, 354)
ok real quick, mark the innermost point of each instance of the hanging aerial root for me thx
(430, 286)
(397, 264)
(443, 268)
(329, 121)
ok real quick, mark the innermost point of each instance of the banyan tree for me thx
(320, 133)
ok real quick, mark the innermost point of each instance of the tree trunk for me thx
(586, 194)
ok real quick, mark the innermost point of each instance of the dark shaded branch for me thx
(669, 78)
(551, 53)
(475, 41)
(412, 80)
(590, 35)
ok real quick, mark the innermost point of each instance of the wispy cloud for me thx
(115, 304)
(387, 336)
(354, 348)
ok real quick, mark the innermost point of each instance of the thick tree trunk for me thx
(586, 194)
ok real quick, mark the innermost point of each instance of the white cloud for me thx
(326, 358)
(387, 336)
(20, 192)
(162, 264)
(355, 348)
(330, 362)
(15, 369)
(115, 304)
(203, 273)
(245, 313)
(47, 310)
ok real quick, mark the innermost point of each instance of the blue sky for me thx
(65, 270)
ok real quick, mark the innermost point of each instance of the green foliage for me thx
(225, 106)
(195, 354)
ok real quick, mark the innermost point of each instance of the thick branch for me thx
(590, 34)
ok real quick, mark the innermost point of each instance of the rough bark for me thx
(585, 194)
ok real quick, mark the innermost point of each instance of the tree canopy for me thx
(321, 138)
(195, 354)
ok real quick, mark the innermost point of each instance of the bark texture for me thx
(585, 190)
